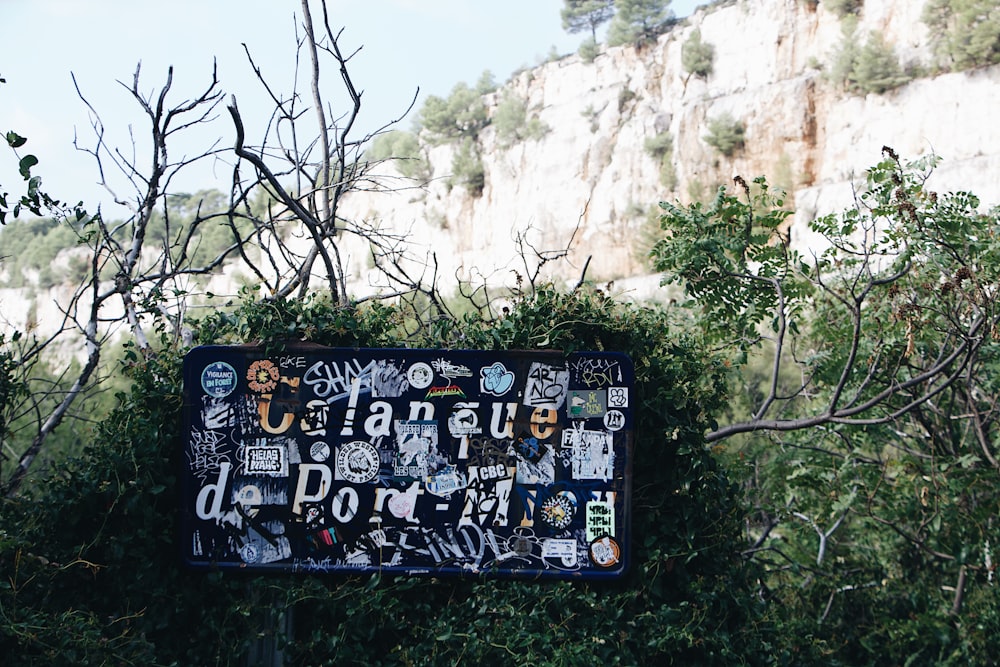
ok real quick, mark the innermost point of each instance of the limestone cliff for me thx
(589, 182)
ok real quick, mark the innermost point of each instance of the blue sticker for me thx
(496, 379)
(218, 379)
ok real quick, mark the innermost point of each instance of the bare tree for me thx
(281, 216)
(139, 269)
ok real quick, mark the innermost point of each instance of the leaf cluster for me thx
(964, 33)
(697, 56)
(865, 420)
(403, 148)
(726, 134)
(112, 559)
(459, 116)
(871, 67)
(514, 124)
(639, 21)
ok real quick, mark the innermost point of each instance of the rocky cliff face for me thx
(589, 184)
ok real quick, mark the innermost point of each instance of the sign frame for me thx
(304, 458)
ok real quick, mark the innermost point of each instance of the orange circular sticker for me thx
(262, 376)
(605, 552)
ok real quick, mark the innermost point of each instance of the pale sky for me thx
(430, 44)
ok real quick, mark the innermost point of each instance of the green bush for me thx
(725, 134)
(512, 123)
(467, 168)
(404, 149)
(844, 7)
(626, 96)
(872, 67)
(638, 21)
(462, 115)
(964, 33)
(697, 56)
(661, 148)
(589, 50)
(90, 560)
(28, 250)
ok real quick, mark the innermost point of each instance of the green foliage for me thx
(486, 84)
(89, 558)
(404, 149)
(728, 255)
(964, 33)
(589, 50)
(844, 7)
(872, 67)
(725, 134)
(512, 122)
(13, 388)
(197, 214)
(697, 56)
(625, 97)
(30, 248)
(873, 368)
(467, 168)
(583, 15)
(460, 116)
(661, 148)
(34, 200)
(639, 21)
(38, 250)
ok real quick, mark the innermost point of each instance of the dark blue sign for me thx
(407, 461)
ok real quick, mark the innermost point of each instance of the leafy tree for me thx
(697, 56)
(725, 134)
(661, 148)
(487, 83)
(404, 149)
(589, 50)
(877, 68)
(462, 114)
(512, 123)
(844, 7)
(91, 555)
(964, 33)
(638, 21)
(868, 368)
(872, 67)
(583, 15)
(467, 168)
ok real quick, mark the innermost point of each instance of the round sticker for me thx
(262, 376)
(604, 552)
(357, 462)
(420, 375)
(614, 420)
(558, 511)
(218, 379)
(401, 505)
(319, 451)
(249, 553)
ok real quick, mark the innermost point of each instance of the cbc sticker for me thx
(218, 379)
(357, 462)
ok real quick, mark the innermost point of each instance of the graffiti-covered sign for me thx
(407, 461)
